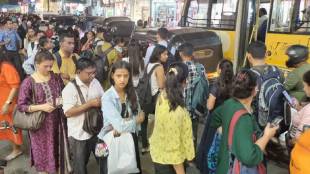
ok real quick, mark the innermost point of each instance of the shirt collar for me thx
(80, 83)
(115, 93)
(163, 43)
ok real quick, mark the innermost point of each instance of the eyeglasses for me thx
(93, 73)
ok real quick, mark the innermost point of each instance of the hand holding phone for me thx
(276, 122)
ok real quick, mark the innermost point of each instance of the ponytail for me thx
(175, 78)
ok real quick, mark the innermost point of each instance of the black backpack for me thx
(144, 91)
(102, 64)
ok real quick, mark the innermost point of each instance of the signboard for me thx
(8, 2)
(76, 1)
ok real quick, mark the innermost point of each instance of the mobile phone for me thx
(305, 127)
(276, 121)
(289, 99)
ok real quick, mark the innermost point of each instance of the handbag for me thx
(213, 153)
(27, 120)
(122, 154)
(236, 166)
(93, 121)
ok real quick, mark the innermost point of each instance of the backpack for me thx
(144, 91)
(270, 97)
(95, 44)
(87, 54)
(59, 60)
(102, 63)
(200, 94)
(206, 143)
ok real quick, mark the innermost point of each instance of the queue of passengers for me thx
(88, 93)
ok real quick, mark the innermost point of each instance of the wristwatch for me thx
(8, 102)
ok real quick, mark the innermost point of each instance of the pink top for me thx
(299, 120)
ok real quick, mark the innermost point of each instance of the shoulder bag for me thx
(27, 120)
(93, 117)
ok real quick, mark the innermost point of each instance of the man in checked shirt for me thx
(195, 70)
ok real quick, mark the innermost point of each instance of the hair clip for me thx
(241, 76)
(174, 70)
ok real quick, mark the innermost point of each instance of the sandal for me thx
(13, 156)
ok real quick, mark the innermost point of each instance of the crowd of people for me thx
(96, 94)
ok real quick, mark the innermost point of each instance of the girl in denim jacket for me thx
(120, 108)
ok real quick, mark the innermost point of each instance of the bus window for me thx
(282, 11)
(198, 13)
(303, 17)
(223, 14)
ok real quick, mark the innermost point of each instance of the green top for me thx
(293, 82)
(243, 146)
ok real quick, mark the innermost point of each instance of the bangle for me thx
(8, 102)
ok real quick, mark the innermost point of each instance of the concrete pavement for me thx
(21, 165)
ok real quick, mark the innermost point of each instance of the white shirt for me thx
(154, 83)
(71, 98)
(31, 52)
(150, 50)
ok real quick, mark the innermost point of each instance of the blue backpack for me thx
(270, 97)
(200, 94)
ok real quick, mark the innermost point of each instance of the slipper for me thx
(13, 156)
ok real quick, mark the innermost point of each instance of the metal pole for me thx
(48, 5)
(238, 31)
(151, 12)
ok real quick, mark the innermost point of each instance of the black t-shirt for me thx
(124, 112)
(214, 90)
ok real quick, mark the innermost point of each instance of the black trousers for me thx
(145, 141)
(195, 123)
(103, 162)
(80, 153)
(164, 169)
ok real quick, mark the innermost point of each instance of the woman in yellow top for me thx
(172, 139)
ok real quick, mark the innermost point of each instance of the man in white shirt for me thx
(161, 37)
(81, 142)
(33, 46)
(44, 43)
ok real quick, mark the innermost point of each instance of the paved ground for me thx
(21, 164)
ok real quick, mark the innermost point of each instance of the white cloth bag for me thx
(122, 155)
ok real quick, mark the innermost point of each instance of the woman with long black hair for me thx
(221, 89)
(120, 108)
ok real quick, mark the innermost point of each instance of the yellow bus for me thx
(235, 23)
